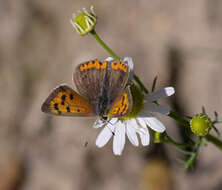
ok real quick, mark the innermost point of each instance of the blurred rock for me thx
(11, 174)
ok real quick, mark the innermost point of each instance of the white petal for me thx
(163, 109)
(155, 124)
(119, 138)
(152, 107)
(109, 59)
(104, 136)
(138, 127)
(98, 123)
(113, 121)
(129, 62)
(168, 91)
(142, 122)
(131, 133)
(142, 130)
(145, 137)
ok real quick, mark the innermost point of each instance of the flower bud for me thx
(200, 124)
(84, 22)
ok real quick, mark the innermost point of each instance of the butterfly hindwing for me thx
(66, 102)
(122, 105)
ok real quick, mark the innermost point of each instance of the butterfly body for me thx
(102, 92)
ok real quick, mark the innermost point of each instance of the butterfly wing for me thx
(122, 105)
(101, 82)
(66, 102)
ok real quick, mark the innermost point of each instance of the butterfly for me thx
(101, 92)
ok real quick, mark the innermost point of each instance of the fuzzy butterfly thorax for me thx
(102, 91)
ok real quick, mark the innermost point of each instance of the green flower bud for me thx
(200, 124)
(138, 102)
(84, 22)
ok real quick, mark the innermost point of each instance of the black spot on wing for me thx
(63, 97)
(56, 106)
(123, 98)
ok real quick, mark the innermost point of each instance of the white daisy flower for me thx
(139, 125)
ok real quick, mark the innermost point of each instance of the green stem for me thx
(190, 162)
(143, 88)
(178, 145)
(214, 140)
(179, 119)
(102, 43)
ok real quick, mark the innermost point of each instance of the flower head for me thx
(136, 123)
(201, 124)
(131, 127)
(84, 22)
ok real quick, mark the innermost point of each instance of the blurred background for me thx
(179, 41)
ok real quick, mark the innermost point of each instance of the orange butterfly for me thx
(102, 92)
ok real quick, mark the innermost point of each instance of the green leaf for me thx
(154, 83)
(216, 116)
(214, 140)
(203, 110)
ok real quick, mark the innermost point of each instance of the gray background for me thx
(179, 41)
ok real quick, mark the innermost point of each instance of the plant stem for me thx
(178, 145)
(190, 162)
(102, 43)
(179, 119)
(143, 88)
(214, 140)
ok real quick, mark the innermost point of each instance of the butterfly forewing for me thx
(122, 105)
(66, 102)
(101, 82)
